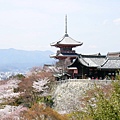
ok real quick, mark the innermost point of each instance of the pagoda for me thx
(65, 45)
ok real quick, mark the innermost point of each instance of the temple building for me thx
(95, 66)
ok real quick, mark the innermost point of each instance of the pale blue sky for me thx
(34, 24)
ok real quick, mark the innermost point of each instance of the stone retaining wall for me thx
(67, 93)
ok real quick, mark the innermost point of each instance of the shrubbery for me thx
(41, 112)
(101, 104)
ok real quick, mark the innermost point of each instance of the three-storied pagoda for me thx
(66, 45)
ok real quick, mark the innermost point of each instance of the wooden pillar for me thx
(82, 72)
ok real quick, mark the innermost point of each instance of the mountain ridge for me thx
(13, 59)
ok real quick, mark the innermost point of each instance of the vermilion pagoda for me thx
(66, 45)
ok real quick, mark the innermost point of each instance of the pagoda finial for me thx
(66, 24)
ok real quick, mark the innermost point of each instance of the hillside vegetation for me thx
(36, 96)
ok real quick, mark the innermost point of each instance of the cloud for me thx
(92, 46)
(49, 6)
(116, 21)
(105, 22)
(22, 18)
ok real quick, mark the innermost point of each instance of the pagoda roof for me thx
(64, 55)
(66, 40)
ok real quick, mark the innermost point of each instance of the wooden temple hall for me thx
(81, 66)
(95, 66)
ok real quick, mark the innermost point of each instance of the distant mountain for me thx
(12, 59)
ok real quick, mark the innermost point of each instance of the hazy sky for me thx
(34, 24)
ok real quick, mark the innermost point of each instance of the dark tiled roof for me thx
(98, 61)
(111, 63)
(113, 54)
(92, 60)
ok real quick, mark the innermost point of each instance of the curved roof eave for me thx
(66, 40)
(83, 62)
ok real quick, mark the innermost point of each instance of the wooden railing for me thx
(58, 52)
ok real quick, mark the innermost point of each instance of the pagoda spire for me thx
(66, 35)
(66, 24)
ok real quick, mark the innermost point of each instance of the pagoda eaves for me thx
(66, 41)
(64, 55)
